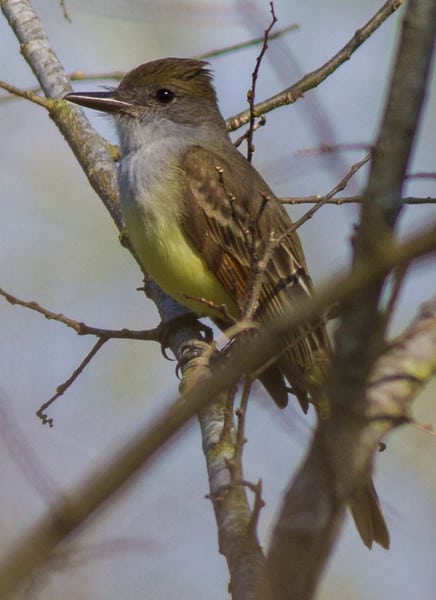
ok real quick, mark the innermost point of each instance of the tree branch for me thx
(313, 79)
(344, 443)
(90, 149)
(412, 200)
(34, 549)
(314, 503)
(81, 328)
(222, 447)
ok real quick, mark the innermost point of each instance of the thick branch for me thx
(89, 148)
(344, 443)
(360, 335)
(227, 489)
(315, 501)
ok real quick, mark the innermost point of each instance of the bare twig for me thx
(398, 276)
(338, 188)
(220, 309)
(247, 44)
(118, 75)
(241, 413)
(61, 389)
(27, 94)
(251, 94)
(64, 11)
(324, 199)
(350, 200)
(258, 268)
(421, 176)
(313, 79)
(81, 328)
(261, 121)
(333, 148)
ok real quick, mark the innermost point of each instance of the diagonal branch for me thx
(313, 79)
(34, 549)
(61, 389)
(313, 504)
(344, 444)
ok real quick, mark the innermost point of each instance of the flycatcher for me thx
(202, 220)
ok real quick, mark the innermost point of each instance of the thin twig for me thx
(247, 44)
(27, 94)
(398, 276)
(313, 79)
(257, 276)
(64, 11)
(257, 505)
(241, 413)
(79, 75)
(81, 328)
(425, 428)
(220, 309)
(261, 121)
(324, 199)
(251, 94)
(421, 176)
(338, 188)
(413, 200)
(61, 389)
(333, 148)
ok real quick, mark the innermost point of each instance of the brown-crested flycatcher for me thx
(201, 220)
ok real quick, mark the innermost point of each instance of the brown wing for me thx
(230, 214)
(235, 221)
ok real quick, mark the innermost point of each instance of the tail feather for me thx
(368, 516)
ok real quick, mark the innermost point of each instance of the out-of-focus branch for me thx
(314, 502)
(313, 79)
(34, 549)
(118, 75)
(360, 335)
(341, 452)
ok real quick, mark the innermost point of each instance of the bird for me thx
(202, 222)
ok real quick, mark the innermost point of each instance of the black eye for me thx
(165, 96)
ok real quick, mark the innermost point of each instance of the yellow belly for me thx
(172, 261)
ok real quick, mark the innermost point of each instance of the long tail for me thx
(364, 503)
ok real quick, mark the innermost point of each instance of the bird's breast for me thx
(151, 207)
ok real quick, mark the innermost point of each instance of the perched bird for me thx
(202, 220)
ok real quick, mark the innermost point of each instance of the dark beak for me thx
(104, 101)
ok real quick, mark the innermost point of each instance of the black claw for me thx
(186, 320)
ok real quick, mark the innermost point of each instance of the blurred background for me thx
(59, 247)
